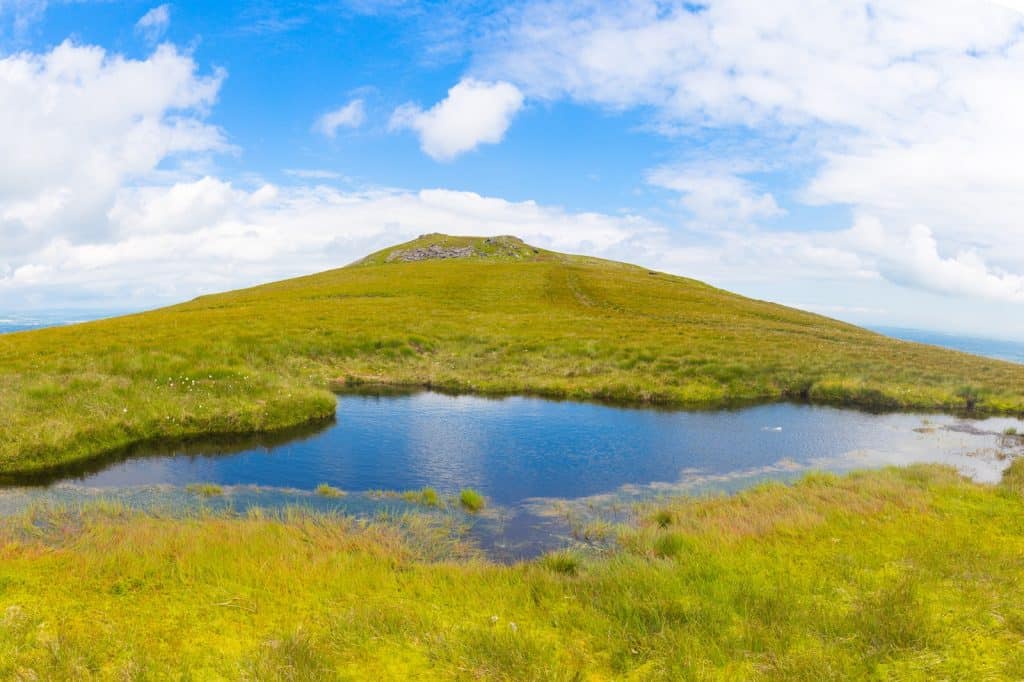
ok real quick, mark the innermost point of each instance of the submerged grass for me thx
(898, 574)
(205, 489)
(516, 321)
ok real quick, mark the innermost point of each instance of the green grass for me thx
(513, 320)
(895, 574)
(325, 490)
(425, 496)
(564, 562)
(205, 489)
(472, 500)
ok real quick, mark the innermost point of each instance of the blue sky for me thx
(855, 159)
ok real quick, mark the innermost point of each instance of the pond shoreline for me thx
(42, 472)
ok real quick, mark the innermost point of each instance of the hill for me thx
(490, 315)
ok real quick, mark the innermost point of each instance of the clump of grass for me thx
(1013, 477)
(564, 562)
(664, 518)
(205, 489)
(970, 395)
(472, 500)
(1010, 431)
(325, 490)
(428, 497)
(670, 545)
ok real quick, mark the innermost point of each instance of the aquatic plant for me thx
(325, 490)
(472, 500)
(205, 489)
(425, 496)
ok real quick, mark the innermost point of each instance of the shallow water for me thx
(529, 457)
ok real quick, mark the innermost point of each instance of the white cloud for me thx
(474, 113)
(77, 124)
(1017, 5)
(912, 258)
(313, 173)
(154, 23)
(909, 110)
(207, 235)
(869, 251)
(352, 115)
(716, 198)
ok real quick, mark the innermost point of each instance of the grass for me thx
(325, 490)
(898, 574)
(513, 320)
(564, 562)
(428, 497)
(471, 500)
(205, 489)
(425, 496)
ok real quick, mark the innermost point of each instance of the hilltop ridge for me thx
(491, 315)
(437, 246)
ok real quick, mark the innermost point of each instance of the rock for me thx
(432, 252)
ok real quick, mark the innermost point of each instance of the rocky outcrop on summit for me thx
(432, 252)
(440, 247)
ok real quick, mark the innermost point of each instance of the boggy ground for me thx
(897, 574)
(507, 318)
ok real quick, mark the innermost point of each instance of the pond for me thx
(535, 460)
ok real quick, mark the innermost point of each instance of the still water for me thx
(529, 456)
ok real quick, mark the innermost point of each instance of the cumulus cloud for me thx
(474, 113)
(207, 235)
(716, 197)
(154, 23)
(1017, 5)
(77, 124)
(911, 257)
(908, 110)
(352, 115)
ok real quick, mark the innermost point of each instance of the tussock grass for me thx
(472, 500)
(325, 490)
(897, 574)
(516, 321)
(564, 562)
(428, 497)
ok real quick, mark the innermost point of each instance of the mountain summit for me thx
(436, 246)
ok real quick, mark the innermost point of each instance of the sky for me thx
(857, 159)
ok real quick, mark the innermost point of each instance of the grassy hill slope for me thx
(461, 313)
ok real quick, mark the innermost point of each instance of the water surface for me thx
(528, 456)
(999, 349)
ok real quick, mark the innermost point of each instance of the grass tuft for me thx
(205, 489)
(428, 497)
(564, 562)
(670, 545)
(472, 500)
(325, 490)
(664, 518)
